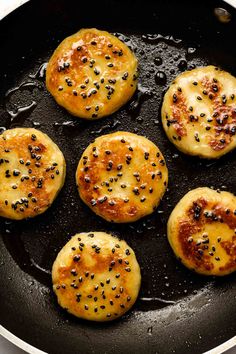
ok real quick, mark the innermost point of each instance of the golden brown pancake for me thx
(92, 74)
(96, 276)
(199, 112)
(122, 176)
(202, 231)
(32, 172)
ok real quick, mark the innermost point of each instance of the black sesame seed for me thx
(125, 76)
(93, 202)
(76, 258)
(175, 98)
(96, 71)
(146, 154)
(73, 272)
(196, 137)
(16, 172)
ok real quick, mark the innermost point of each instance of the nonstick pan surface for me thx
(177, 311)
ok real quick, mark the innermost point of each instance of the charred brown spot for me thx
(200, 213)
(179, 109)
(224, 116)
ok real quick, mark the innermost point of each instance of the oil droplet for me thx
(128, 41)
(182, 65)
(160, 77)
(192, 66)
(40, 73)
(19, 110)
(2, 129)
(149, 331)
(156, 38)
(191, 50)
(141, 94)
(222, 15)
(158, 61)
(36, 124)
(105, 127)
(68, 123)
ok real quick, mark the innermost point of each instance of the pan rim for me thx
(18, 342)
(28, 348)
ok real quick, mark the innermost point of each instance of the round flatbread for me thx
(92, 74)
(199, 112)
(122, 176)
(32, 172)
(96, 276)
(202, 231)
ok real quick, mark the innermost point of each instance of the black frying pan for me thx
(178, 311)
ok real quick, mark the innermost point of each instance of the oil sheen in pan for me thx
(168, 58)
(165, 282)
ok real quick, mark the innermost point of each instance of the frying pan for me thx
(177, 311)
